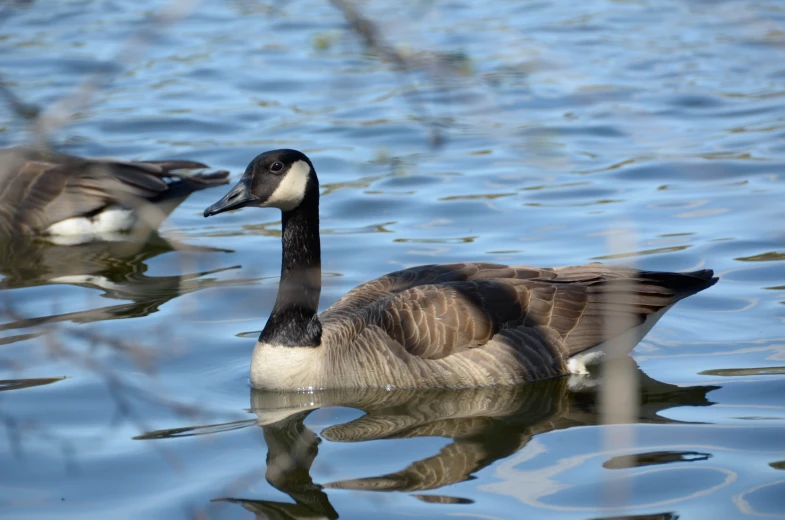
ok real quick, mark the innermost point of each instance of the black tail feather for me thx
(683, 284)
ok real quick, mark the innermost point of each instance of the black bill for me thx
(238, 197)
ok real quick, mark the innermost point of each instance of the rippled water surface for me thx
(545, 133)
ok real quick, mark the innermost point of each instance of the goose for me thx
(459, 325)
(74, 199)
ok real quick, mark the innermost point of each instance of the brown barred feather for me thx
(506, 323)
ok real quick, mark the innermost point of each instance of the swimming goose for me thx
(48, 193)
(434, 326)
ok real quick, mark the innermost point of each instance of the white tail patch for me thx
(291, 190)
(578, 363)
(105, 226)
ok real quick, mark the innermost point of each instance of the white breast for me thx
(275, 367)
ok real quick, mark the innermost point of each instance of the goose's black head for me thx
(280, 179)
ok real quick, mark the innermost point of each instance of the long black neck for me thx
(293, 321)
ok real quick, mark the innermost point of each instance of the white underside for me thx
(579, 363)
(109, 224)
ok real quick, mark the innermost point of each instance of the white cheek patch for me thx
(291, 190)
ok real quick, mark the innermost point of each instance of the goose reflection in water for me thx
(118, 268)
(485, 424)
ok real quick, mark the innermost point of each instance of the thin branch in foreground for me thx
(46, 121)
(435, 65)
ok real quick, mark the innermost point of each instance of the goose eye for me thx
(276, 167)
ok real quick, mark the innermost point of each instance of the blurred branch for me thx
(370, 33)
(63, 110)
(45, 121)
(620, 391)
(7, 7)
(83, 348)
(434, 64)
(22, 110)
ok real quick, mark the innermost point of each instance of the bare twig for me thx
(435, 65)
(46, 121)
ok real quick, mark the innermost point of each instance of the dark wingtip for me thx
(684, 284)
(707, 275)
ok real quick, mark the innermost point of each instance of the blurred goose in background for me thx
(435, 326)
(74, 199)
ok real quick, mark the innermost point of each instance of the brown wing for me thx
(437, 311)
(38, 189)
(392, 283)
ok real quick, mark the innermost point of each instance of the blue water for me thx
(547, 133)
